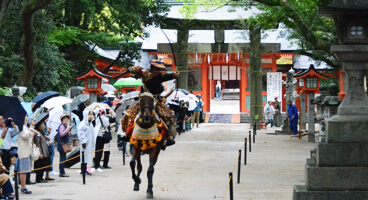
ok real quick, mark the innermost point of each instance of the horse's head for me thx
(146, 104)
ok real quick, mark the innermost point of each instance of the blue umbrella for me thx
(11, 107)
(28, 108)
(40, 99)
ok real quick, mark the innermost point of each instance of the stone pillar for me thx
(311, 131)
(303, 110)
(15, 92)
(181, 51)
(92, 98)
(291, 95)
(255, 71)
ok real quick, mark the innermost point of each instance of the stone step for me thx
(301, 193)
(342, 154)
(336, 178)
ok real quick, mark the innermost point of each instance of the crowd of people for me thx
(33, 148)
(187, 119)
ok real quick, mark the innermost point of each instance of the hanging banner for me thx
(274, 86)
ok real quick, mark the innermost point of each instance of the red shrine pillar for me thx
(243, 89)
(206, 96)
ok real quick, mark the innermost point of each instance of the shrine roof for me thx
(310, 71)
(91, 72)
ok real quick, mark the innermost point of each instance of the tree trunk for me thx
(4, 4)
(255, 72)
(182, 58)
(30, 55)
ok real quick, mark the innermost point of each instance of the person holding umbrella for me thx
(7, 130)
(24, 152)
(86, 138)
(40, 140)
(63, 136)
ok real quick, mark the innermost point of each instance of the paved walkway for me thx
(225, 106)
(197, 167)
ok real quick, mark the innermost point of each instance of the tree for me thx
(30, 56)
(43, 46)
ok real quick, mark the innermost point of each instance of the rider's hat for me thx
(157, 65)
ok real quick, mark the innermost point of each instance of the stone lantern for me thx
(339, 168)
(92, 83)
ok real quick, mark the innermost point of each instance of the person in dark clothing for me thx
(81, 107)
(293, 117)
(181, 115)
(154, 78)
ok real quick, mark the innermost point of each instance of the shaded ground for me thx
(197, 167)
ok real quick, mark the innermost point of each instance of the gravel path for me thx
(197, 167)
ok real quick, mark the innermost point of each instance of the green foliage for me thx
(65, 36)
(190, 7)
(5, 92)
(61, 30)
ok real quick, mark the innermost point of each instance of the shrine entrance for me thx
(229, 77)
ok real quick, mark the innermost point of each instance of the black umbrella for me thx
(11, 107)
(40, 99)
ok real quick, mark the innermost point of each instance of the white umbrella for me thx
(56, 101)
(54, 120)
(130, 95)
(193, 97)
(174, 97)
(107, 87)
(22, 90)
(79, 99)
(192, 103)
(100, 105)
(104, 80)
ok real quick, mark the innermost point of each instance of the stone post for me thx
(303, 110)
(311, 131)
(320, 113)
(255, 71)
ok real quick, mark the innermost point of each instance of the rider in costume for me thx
(152, 81)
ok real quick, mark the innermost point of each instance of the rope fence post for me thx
(245, 151)
(239, 165)
(84, 169)
(16, 184)
(254, 137)
(231, 186)
(123, 158)
(254, 129)
(250, 141)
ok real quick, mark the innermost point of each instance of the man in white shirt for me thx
(7, 131)
(218, 91)
(269, 112)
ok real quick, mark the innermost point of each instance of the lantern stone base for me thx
(301, 193)
(338, 168)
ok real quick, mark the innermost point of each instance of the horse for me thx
(148, 131)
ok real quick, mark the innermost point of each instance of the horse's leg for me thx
(139, 165)
(153, 155)
(136, 179)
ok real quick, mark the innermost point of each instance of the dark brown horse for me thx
(147, 138)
